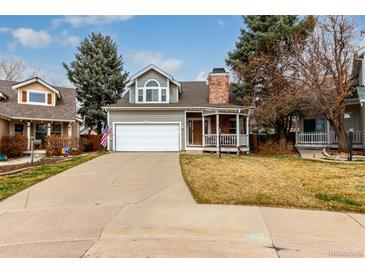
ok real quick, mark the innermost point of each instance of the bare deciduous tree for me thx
(324, 65)
(12, 69)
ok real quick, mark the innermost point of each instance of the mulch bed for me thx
(356, 152)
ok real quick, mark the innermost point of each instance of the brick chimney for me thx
(218, 86)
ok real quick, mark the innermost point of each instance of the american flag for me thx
(104, 136)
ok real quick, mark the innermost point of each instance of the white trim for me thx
(37, 103)
(69, 130)
(144, 89)
(48, 129)
(136, 92)
(185, 129)
(183, 108)
(203, 130)
(37, 80)
(238, 129)
(149, 67)
(29, 124)
(41, 119)
(226, 113)
(145, 123)
(168, 90)
(108, 138)
(217, 128)
(152, 80)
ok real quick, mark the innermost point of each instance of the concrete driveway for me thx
(137, 205)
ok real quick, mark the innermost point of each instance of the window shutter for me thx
(24, 96)
(49, 99)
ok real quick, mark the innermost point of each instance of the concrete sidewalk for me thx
(137, 205)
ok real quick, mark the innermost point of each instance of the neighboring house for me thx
(35, 108)
(158, 113)
(315, 132)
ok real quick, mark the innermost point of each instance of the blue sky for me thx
(187, 47)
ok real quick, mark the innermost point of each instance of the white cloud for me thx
(77, 21)
(220, 23)
(71, 40)
(32, 39)
(145, 58)
(202, 76)
(4, 29)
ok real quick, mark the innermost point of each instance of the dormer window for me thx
(37, 97)
(152, 92)
(36, 92)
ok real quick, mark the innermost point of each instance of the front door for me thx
(40, 134)
(195, 132)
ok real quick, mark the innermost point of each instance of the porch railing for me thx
(226, 140)
(323, 138)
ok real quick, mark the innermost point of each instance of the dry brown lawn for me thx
(276, 181)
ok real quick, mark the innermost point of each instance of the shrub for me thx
(86, 145)
(54, 144)
(13, 145)
(271, 147)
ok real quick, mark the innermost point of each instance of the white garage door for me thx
(147, 137)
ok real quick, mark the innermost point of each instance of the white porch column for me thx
(328, 132)
(248, 130)
(28, 134)
(48, 129)
(203, 129)
(69, 130)
(238, 130)
(217, 128)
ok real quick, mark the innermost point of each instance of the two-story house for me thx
(158, 113)
(36, 108)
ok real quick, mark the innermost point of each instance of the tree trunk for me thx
(339, 129)
(282, 139)
(99, 130)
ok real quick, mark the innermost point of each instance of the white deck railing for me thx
(323, 138)
(226, 140)
(210, 140)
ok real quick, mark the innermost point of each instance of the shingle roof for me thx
(194, 94)
(65, 108)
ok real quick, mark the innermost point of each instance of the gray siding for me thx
(132, 92)
(354, 120)
(147, 116)
(151, 74)
(4, 127)
(301, 123)
(174, 97)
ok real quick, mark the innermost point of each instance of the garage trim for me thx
(144, 123)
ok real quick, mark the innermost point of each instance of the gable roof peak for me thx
(155, 68)
(37, 80)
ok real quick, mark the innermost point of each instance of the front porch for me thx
(324, 139)
(211, 131)
(39, 130)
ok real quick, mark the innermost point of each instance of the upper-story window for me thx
(37, 97)
(152, 92)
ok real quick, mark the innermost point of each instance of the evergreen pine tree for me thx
(98, 75)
